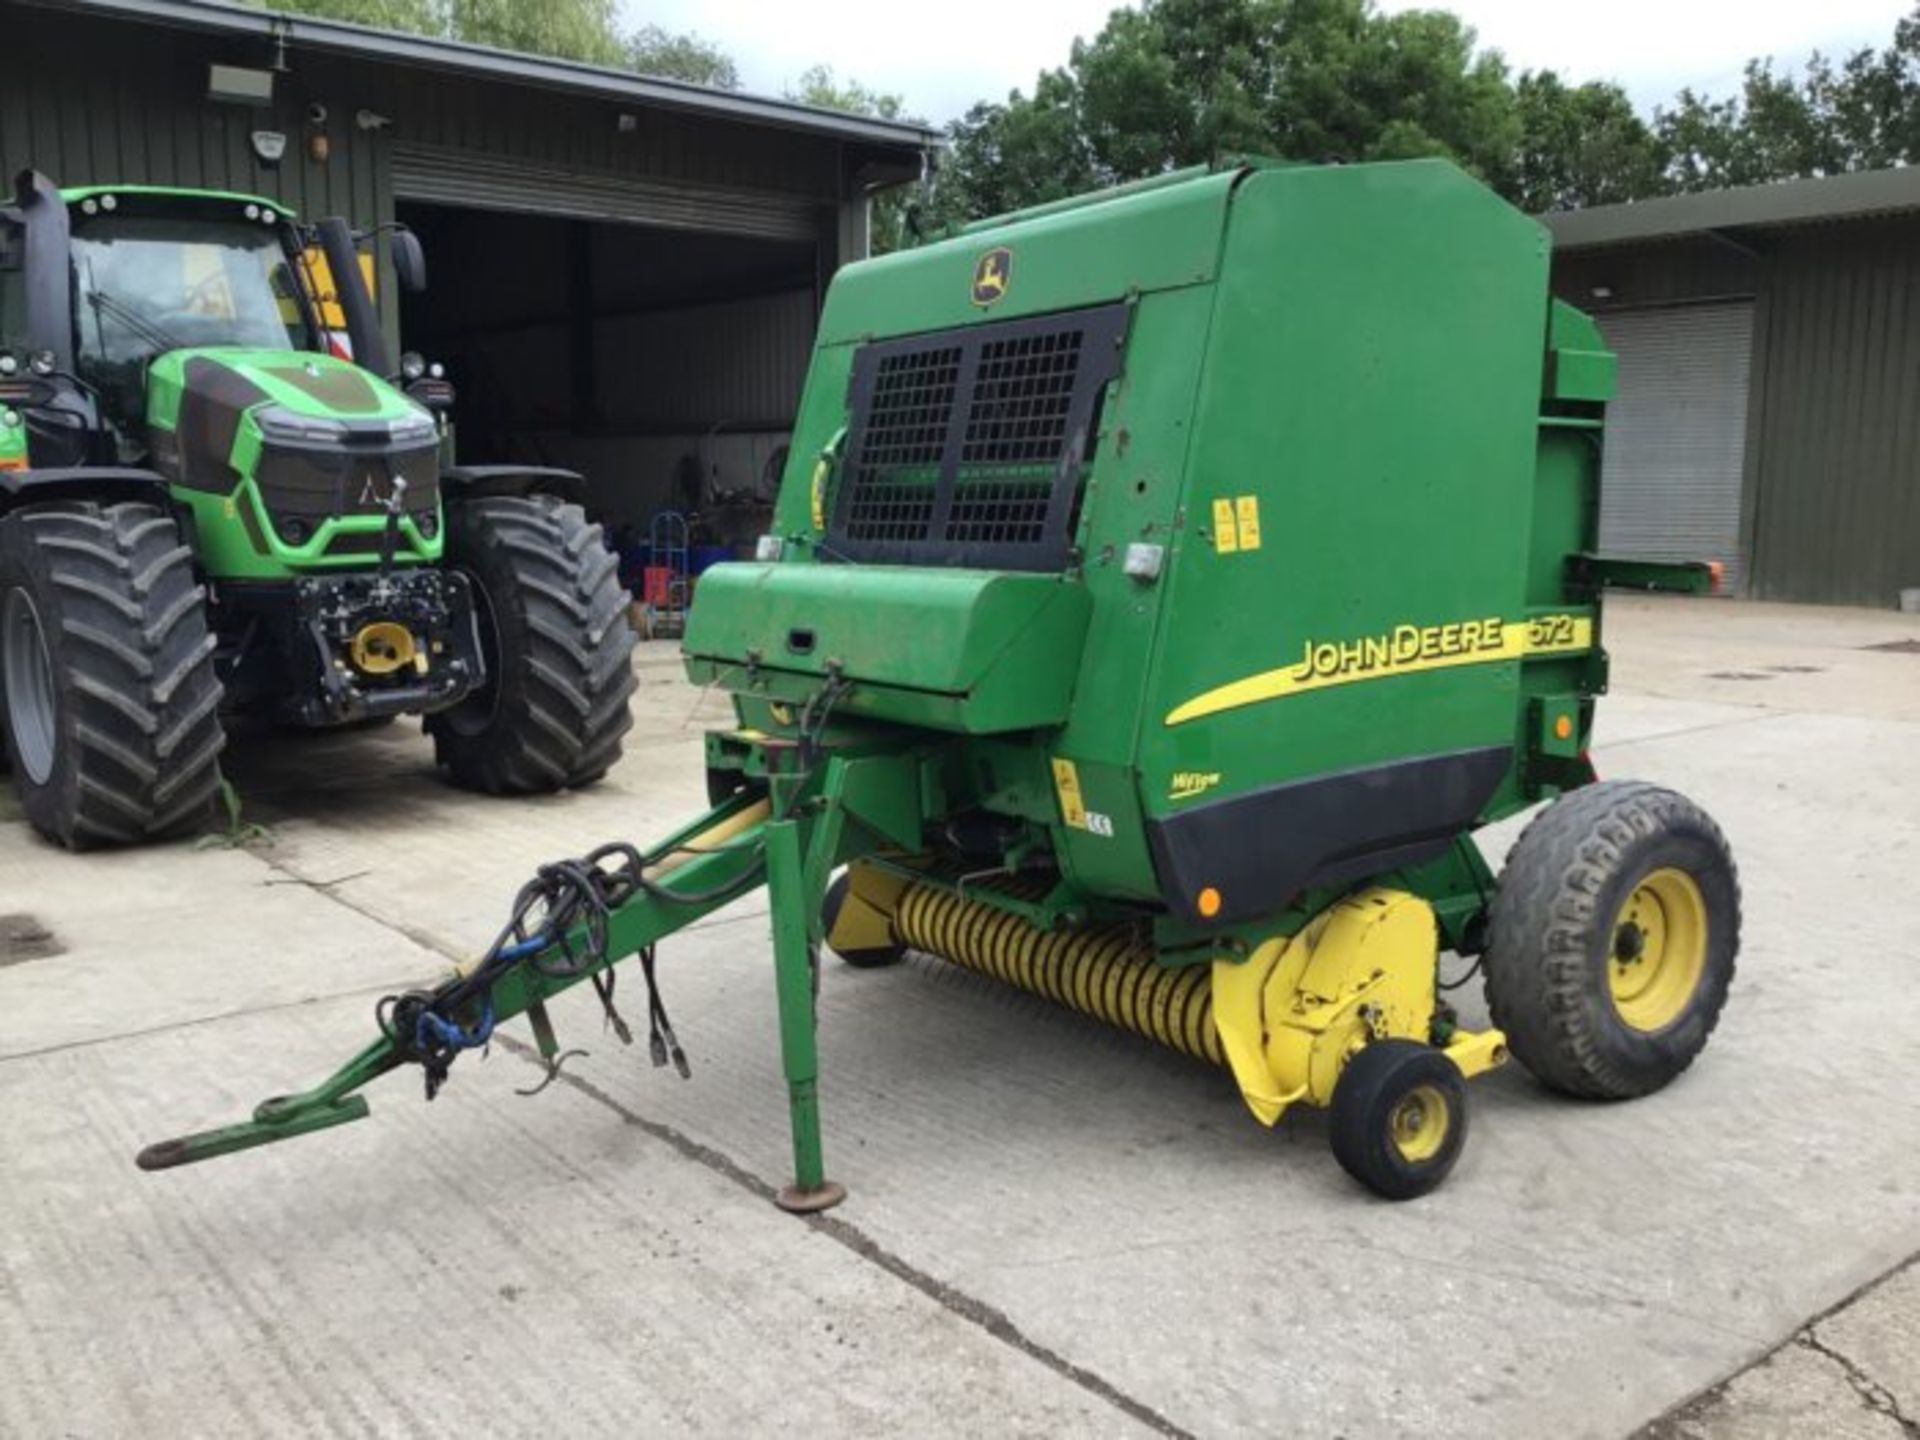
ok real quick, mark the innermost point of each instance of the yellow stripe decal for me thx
(1403, 650)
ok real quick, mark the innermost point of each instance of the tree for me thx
(888, 213)
(1023, 152)
(421, 17)
(567, 29)
(1182, 82)
(654, 51)
(1580, 145)
(818, 86)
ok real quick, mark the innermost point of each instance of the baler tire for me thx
(1377, 1091)
(554, 706)
(870, 958)
(1557, 927)
(101, 616)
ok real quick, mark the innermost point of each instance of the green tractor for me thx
(208, 508)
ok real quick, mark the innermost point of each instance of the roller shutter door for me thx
(1676, 434)
(490, 182)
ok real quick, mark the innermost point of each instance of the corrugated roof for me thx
(365, 42)
(1787, 202)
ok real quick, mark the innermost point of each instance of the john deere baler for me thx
(1166, 586)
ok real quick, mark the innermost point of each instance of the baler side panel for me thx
(1369, 410)
(1132, 495)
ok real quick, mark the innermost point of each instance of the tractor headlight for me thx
(768, 548)
(412, 366)
(277, 423)
(414, 430)
(9, 363)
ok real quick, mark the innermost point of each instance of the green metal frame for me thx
(822, 812)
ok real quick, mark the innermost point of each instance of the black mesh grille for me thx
(312, 485)
(906, 429)
(966, 447)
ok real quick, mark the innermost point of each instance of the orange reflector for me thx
(1716, 572)
(1208, 902)
(9, 463)
(1562, 727)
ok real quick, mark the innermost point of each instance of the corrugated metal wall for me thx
(92, 99)
(87, 101)
(1831, 491)
(738, 364)
(1671, 479)
(1836, 466)
(580, 134)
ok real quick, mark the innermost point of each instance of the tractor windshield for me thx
(148, 285)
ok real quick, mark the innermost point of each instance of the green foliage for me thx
(888, 217)
(1178, 82)
(819, 86)
(570, 29)
(1580, 145)
(422, 17)
(654, 51)
(566, 29)
(1861, 113)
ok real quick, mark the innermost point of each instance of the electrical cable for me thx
(559, 926)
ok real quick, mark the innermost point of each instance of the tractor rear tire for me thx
(108, 696)
(1612, 939)
(558, 649)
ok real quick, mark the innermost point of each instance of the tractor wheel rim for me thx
(1659, 950)
(32, 713)
(1419, 1124)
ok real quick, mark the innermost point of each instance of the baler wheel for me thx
(1399, 1118)
(1613, 939)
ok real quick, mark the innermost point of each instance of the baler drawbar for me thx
(1164, 588)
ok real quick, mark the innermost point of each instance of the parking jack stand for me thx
(800, 1057)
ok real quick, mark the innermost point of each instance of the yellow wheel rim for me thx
(1659, 950)
(1420, 1123)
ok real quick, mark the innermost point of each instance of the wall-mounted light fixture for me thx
(269, 146)
(237, 85)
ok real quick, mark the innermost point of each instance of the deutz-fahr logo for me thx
(992, 274)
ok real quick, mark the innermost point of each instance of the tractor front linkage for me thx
(808, 809)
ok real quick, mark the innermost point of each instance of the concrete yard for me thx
(1052, 1229)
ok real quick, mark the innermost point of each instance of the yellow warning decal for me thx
(1403, 650)
(1236, 524)
(1246, 512)
(1225, 533)
(1066, 780)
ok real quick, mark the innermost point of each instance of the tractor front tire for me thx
(1612, 939)
(557, 646)
(108, 697)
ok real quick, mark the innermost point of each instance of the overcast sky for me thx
(942, 57)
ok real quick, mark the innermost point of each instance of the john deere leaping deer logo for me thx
(992, 274)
